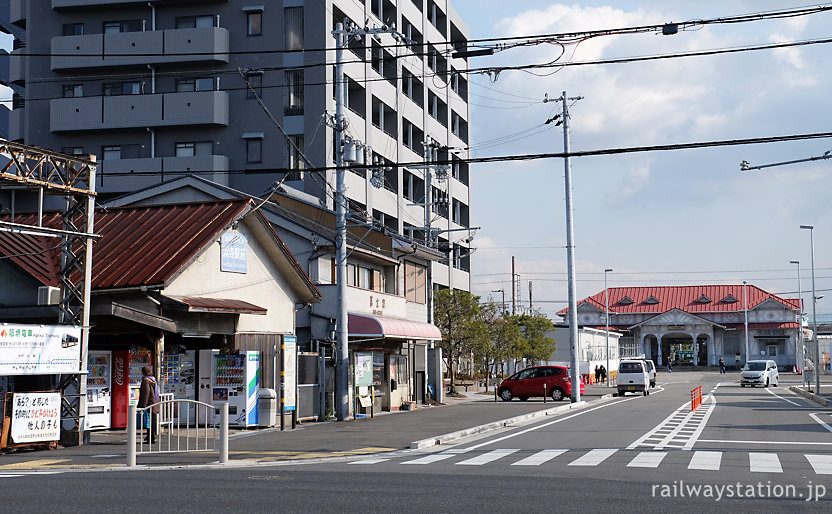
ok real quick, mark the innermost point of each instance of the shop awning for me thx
(218, 305)
(362, 325)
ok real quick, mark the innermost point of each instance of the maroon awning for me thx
(362, 325)
(218, 305)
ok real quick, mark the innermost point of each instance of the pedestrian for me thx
(722, 365)
(597, 374)
(669, 366)
(738, 360)
(603, 373)
(149, 397)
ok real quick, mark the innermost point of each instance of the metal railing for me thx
(695, 398)
(175, 431)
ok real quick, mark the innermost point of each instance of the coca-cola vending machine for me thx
(127, 378)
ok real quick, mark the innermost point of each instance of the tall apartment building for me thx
(159, 88)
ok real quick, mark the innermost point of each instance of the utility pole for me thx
(530, 297)
(513, 290)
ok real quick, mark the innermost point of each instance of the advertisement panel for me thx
(39, 349)
(290, 373)
(36, 417)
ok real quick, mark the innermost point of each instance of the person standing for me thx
(603, 373)
(597, 374)
(669, 365)
(149, 397)
(738, 360)
(722, 365)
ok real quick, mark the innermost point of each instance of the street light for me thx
(501, 290)
(799, 338)
(607, 320)
(745, 304)
(816, 364)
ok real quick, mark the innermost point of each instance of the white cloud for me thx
(790, 56)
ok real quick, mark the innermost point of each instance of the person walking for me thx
(597, 374)
(149, 395)
(603, 373)
(738, 360)
(722, 365)
(669, 366)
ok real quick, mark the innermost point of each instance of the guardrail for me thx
(173, 431)
(695, 398)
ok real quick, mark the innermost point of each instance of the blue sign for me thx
(234, 252)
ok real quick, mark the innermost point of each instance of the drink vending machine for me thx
(98, 391)
(235, 379)
(127, 379)
(179, 377)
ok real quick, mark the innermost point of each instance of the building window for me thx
(111, 152)
(194, 84)
(256, 82)
(73, 150)
(191, 149)
(114, 27)
(254, 148)
(73, 91)
(293, 21)
(294, 149)
(196, 22)
(772, 350)
(122, 88)
(414, 283)
(294, 93)
(254, 23)
(73, 29)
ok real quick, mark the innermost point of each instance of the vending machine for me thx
(204, 372)
(98, 391)
(179, 377)
(126, 381)
(235, 379)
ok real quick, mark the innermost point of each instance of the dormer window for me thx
(626, 301)
(651, 301)
(704, 299)
(729, 299)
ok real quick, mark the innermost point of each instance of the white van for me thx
(633, 377)
(760, 372)
(651, 371)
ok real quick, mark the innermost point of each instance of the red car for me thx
(553, 381)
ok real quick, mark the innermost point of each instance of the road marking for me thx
(705, 460)
(33, 464)
(648, 459)
(660, 427)
(816, 418)
(485, 458)
(769, 391)
(729, 441)
(764, 463)
(10, 476)
(822, 464)
(539, 458)
(593, 457)
(436, 457)
(369, 461)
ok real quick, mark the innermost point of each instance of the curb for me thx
(494, 425)
(812, 396)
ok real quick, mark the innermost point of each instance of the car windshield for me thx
(630, 367)
(755, 366)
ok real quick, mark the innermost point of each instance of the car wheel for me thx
(766, 383)
(523, 398)
(506, 394)
(644, 393)
(742, 385)
(557, 394)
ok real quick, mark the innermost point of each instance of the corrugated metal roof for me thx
(684, 298)
(138, 246)
(201, 304)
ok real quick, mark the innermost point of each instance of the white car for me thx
(760, 372)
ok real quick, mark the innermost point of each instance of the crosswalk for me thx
(704, 460)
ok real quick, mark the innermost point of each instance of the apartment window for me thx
(122, 88)
(410, 32)
(114, 27)
(293, 21)
(110, 152)
(412, 87)
(254, 23)
(459, 85)
(459, 169)
(191, 149)
(294, 149)
(293, 105)
(194, 84)
(459, 127)
(256, 81)
(73, 90)
(415, 283)
(254, 150)
(73, 29)
(72, 150)
(196, 22)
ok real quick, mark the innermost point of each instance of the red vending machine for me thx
(127, 378)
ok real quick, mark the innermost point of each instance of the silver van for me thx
(761, 372)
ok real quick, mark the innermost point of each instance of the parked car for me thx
(551, 381)
(651, 371)
(762, 372)
(633, 377)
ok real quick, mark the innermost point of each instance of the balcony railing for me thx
(69, 4)
(119, 175)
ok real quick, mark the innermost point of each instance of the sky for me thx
(678, 217)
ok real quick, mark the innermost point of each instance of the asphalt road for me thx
(743, 449)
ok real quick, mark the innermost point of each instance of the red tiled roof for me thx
(683, 298)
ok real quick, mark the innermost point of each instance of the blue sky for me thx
(659, 218)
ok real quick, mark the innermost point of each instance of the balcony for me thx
(59, 5)
(17, 67)
(17, 124)
(121, 175)
(135, 111)
(17, 12)
(208, 44)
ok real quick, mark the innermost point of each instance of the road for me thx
(742, 449)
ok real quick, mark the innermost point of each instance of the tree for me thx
(457, 314)
(504, 341)
(535, 345)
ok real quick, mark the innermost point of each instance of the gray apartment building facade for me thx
(159, 89)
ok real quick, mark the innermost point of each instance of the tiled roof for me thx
(684, 298)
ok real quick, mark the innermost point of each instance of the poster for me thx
(290, 373)
(36, 417)
(363, 369)
(39, 349)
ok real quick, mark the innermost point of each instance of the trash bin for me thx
(267, 407)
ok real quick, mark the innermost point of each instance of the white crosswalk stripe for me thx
(764, 463)
(485, 458)
(647, 460)
(709, 461)
(369, 461)
(436, 457)
(593, 457)
(538, 458)
(822, 464)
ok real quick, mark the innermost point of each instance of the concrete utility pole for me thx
(745, 308)
(817, 364)
(607, 321)
(513, 290)
(798, 342)
(530, 298)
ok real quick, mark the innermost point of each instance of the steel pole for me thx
(814, 313)
(607, 319)
(342, 356)
(570, 261)
(745, 308)
(798, 342)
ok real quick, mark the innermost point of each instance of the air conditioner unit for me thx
(48, 295)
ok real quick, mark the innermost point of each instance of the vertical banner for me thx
(290, 373)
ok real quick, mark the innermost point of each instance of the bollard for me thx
(131, 436)
(544, 392)
(224, 433)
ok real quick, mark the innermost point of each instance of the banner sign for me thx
(233, 252)
(290, 373)
(36, 417)
(39, 349)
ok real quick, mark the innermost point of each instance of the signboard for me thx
(290, 373)
(233, 252)
(39, 349)
(36, 417)
(363, 369)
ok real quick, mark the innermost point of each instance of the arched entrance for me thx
(678, 349)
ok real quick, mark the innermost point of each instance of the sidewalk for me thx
(384, 432)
